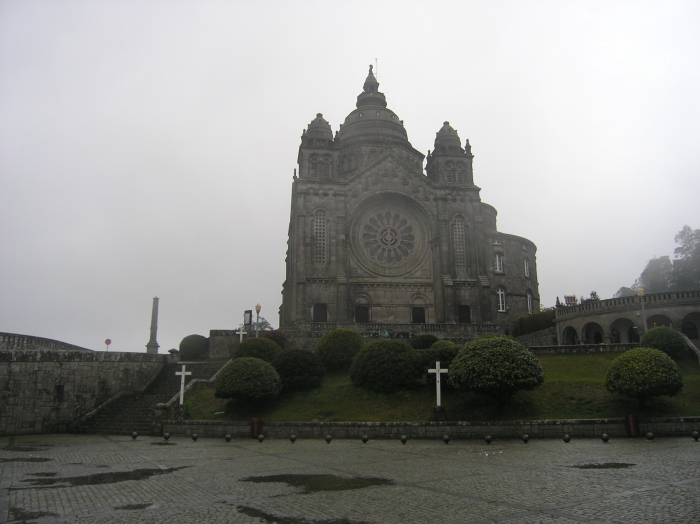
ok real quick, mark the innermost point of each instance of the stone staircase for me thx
(136, 412)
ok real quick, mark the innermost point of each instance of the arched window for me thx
(529, 303)
(499, 263)
(320, 237)
(313, 165)
(527, 267)
(501, 294)
(459, 243)
(326, 166)
(459, 174)
(449, 172)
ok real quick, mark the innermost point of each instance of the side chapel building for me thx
(375, 243)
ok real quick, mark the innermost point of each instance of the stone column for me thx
(152, 346)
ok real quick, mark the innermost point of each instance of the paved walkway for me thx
(98, 479)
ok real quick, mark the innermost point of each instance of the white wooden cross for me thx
(437, 372)
(182, 375)
(241, 332)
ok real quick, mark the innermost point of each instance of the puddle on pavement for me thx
(163, 444)
(20, 514)
(135, 506)
(275, 519)
(605, 465)
(26, 448)
(26, 459)
(101, 478)
(315, 483)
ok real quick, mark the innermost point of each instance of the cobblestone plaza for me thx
(114, 479)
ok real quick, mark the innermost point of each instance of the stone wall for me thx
(544, 337)
(582, 348)
(43, 391)
(221, 341)
(580, 428)
(10, 341)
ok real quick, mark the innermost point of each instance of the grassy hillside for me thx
(574, 388)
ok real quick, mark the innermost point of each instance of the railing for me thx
(9, 341)
(652, 299)
(314, 329)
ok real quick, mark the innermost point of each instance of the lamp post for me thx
(640, 294)
(257, 319)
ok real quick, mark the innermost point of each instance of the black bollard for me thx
(488, 439)
(365, 438)
(695, 435)
(403, 439)
(446, 439)
(261, 438)
(650, 437)
(195, 437)
(166, 436)
(567, 439)
(293, 439)
(604, 437)
(227, 437)
(328, 439)
(525, 438)
(134, 435)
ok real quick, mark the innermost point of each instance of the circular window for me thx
(389, 237)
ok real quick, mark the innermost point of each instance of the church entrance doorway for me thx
(320, 313)
(418, 315)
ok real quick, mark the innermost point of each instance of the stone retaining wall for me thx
(43, 391)
(582, 348)
(581, 428)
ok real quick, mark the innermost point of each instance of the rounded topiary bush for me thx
(385, 366)
(261, 348)
(299, 369)
(423, 341)
(249, 379)
(277, 336)
(194, 347)
(644, 373)
(665, 339)
(497, 367)
(442, 351)
(338, 348)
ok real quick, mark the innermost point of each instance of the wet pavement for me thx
(114, 479)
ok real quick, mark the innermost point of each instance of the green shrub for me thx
(249, 379)
(261, 348)
(536, 322)
(443, 351)
(665, 339)
(338, 347)
(497, 367)
(194, 347)
(299, 369)
(385, 366)
(277, 336)
(644, 373)
(423, 341)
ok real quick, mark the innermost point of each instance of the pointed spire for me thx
(371, 84)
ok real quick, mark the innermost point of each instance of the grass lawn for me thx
(573, 388)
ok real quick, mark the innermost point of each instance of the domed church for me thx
(391, 243)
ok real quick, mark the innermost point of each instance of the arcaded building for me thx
(387, 241)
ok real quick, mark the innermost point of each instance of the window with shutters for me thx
(320, 237)
(326, 166)
(449, 172)
(459, 243)
(459, 173)
(313, 165)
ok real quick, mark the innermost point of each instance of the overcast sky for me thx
(147, 147)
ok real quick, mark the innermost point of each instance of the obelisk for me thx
(152, 346)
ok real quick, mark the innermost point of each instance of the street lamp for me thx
(640, 294)
(257, 319)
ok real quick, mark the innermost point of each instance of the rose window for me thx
(388, 237)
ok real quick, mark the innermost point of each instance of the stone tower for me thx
(377, 244)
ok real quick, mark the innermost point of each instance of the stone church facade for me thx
(380, 243)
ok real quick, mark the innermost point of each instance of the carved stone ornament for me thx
(389, 238)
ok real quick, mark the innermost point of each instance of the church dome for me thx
(447, 137)
(319, 128)
(371, 120)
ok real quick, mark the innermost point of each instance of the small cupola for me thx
(318, 134)
(447, 137)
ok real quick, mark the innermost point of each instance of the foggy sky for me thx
(147, 148)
